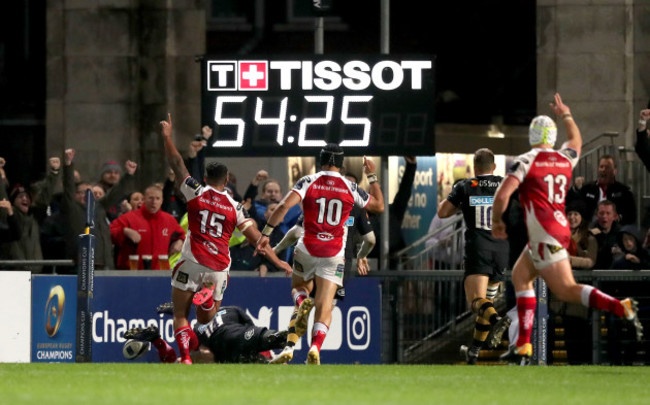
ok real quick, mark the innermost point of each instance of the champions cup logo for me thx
(54, 310)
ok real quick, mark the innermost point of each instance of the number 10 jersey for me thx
(475, 197)
(545, 177)
(327, 199)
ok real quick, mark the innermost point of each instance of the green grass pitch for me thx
(112, 383)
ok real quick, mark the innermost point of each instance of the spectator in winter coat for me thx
(147, 231)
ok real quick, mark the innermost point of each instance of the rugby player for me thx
(229, 337)
(201, 274)
(486, 258)
(327, 200)
(543, 176)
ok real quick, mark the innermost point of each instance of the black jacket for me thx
(622, 262)
(618, 193)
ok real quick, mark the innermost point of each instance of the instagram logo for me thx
(358, 327)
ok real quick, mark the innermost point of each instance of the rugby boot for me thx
(302, 318)
(631, 308)
(497, 331)
(284, 357)
(313, 357)
(470, 354)
(275, 339)
(519, 355)
(144, 335)
(203, 296)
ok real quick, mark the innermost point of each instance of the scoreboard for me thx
(293, 106)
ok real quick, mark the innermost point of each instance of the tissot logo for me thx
(356, 75)
(222, 75)
(253, 75)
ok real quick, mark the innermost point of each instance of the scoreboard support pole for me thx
(85, 277)
(385, 231)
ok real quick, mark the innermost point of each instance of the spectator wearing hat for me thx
(73, 207)
(110, 178)
(583, 247)
(147, 231)
(633, 256)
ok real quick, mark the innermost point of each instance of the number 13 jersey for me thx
(327, 199)
(545, 177)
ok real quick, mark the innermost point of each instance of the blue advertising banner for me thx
(121, 303)
(54, 322)
(422, 205)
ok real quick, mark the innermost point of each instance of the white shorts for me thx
(543, 254)
(307, 266)
(190, 276)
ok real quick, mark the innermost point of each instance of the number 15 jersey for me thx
(212, 216)
(327, 199)
(545, 176)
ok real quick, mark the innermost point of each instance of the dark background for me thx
(485, 52)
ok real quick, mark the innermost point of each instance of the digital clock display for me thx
(292, 106)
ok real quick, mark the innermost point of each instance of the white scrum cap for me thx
(542, 130)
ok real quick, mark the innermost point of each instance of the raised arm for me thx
(376, 204)
(562, 111)
(173, 156)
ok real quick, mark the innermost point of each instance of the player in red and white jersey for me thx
(543, 176)
(201, 275)
(319, 260)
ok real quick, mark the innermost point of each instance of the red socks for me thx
(318, 335)
(599, 300)
(299, 297)
(526, 304)
(186, 340)
(165, 351)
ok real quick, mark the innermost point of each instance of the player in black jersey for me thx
(486, 258)
(230, 337)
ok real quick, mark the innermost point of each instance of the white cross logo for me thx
(252, 75)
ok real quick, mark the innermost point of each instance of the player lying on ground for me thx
(230, 337)
(543, 176)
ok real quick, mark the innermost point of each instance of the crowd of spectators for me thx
(42, 221)
(134, 228)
